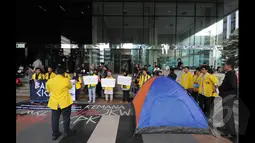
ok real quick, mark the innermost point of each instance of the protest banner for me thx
(90, 80)
(38, 91)
(124, 80)
(105, 82)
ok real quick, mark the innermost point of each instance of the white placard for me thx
(73, 90)
(108, 82)
(124, 80)
(90, 80)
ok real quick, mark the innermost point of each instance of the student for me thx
(172, 74)
(50, 74)
(78, 84)
(125, 89)
(60, 101)
(187, 79)
(38, 75)
(215, 78)
(206, 89)
(92, 88)
(196, 82)
(67, 75)
(143, 78)
(108, 91)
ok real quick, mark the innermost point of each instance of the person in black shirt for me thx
(172, 74)
(179, 64)
(228, 92)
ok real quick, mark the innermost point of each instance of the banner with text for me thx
(90, 80)
(108, 82)
(124, 80)
(38, 91)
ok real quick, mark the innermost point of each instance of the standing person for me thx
(206, 89)
(92, 88)
(78, 85)
(125, 89)
(150, 69)
(60, 101)
(67, 75)
(186, 79)
(196, 82)
(38, 75)
(98, 86)
(83, 70)
(108, 91)
(172, 74)
(37, 63)
(228, 92)
(179, 63)
(136, 68)
(143, 78)
(50, 74)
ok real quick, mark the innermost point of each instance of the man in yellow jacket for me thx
(38, 75)
(50, 74)
(143, 78)
(60, 101)
(125, 89)
(187, 79)
(196, 84)
(206, 89)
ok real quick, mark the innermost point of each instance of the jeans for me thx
(125, 95)
(92, 94)
(66, 113)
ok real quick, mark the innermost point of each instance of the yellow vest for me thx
(92, 85)
(143, 79)
(40, 77)
(67, 76)
(78, 84)
(108, 88)
(51, 75)
(187, 80)
(58, 88)
(207, 85)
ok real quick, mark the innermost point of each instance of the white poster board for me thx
(124, 80)
(72, 90)
(108, 82)
(90, 80)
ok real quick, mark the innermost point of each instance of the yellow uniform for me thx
(216, 83)
(67, 76)
(78, 84)
(196, 82)
(187, 80)
(143, 79)
(92, 85)
(58, 88)
(47, 77)
(39, 77)
(207, 85)
(109, 88)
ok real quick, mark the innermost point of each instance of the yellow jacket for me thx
(207, 85)
(67, 76)
(58, 88)
(216, 83)
(127, 87)
(108, 88)
(40, 77)
(51, 75)
(143, 79)
(196, 80)
(92, 85)
(78, 84)
(187, 80)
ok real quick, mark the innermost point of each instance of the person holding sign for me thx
(78, 84)
(50, 74)
(108, 91)
(143, 78)
(92, 89)
(38, 75)
(60, 101)
(125, 89)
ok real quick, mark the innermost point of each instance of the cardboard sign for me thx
(90, 80)
(108, 82)
(124, 80)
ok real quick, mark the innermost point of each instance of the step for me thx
(23, 91)
(22, 95)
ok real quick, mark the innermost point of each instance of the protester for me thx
(196, 82)
(150, 69)
(60, 101)
(160, 73)
(143, 78)
(108, 91)
(179, 64)
(172, 74)
(125, 89)
(92, 88)
(83, 70)
(50, 74)
(228, 92)
(78, 84)
(186, 79)
(206, 89)
(38, 75)
(99, 86)
(136, 68)
(67, 75)
(216, 80)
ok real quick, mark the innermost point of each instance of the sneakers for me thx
(89, 101)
